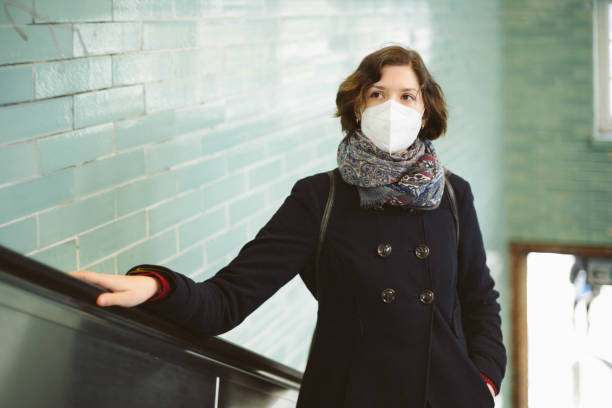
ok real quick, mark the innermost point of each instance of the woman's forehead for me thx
(400, 77)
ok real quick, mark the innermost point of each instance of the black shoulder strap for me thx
(450, 193)
(325, 219)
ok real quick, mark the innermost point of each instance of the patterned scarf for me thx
(410, 178)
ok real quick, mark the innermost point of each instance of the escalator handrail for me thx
(45, 279)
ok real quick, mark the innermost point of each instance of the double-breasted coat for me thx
(405, 318)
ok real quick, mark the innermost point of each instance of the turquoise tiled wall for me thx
(168, 131)
(559, 181)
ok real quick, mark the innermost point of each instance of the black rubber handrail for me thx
(46, 280)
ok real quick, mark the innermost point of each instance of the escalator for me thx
(58, 349)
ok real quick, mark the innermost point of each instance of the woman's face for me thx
(398, 83)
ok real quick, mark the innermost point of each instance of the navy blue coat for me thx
(368, 352)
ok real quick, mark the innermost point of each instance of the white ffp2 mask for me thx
(391, 126)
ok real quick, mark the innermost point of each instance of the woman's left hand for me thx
(491, 389)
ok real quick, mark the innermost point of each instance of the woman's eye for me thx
(375, 94)
(408, 97)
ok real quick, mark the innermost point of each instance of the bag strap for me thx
(325, 220)
(450, 194)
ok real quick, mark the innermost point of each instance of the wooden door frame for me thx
(518, 276)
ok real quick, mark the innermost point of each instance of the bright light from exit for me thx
(570, 351)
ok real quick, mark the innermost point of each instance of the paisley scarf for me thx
(412, 178)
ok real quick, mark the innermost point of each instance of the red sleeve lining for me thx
(488, 381)
(164, 285)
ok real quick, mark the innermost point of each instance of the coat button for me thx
(388, 295)
(426, 297)
(411, 211)
(383, 250)
(422, 251)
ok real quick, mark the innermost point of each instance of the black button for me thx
(383, 250)
(388, 295)
(426, 297)
(411, 210)
(422, 251)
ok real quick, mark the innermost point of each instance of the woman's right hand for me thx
(127, 291)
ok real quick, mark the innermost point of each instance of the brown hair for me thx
(352, 92)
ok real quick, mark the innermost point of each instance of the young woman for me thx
(407, 316)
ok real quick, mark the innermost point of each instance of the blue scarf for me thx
(412, 178)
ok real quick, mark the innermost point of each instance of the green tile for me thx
(544, 94)
(187, 63)
(199, 118)
(18, 14)
(221, 32)
(143, 9)
(261, 218)
(61, 257)
(105, 106)
(16, 84)
(209, 89)
(222, 191)
(188, 262)
(210, 270)
(144, 193)
(70, 148)
(70, 11)
(19, 236)
(327, 147)
(171, 94)
(138, 68)
(166, 35)
(289, 140)
(173, 212)
(152, 251)
(166, 154)
(303, 156)
(76, 217)
(265, 173)
(30, 196)
(187, 8)
(242, 155)
(17, 162)
(67, 77)
(107, 267)
(106, 38)
(201, 228)
(144, 130)
(223, 139)
(211, 61)
(198, 174)
(39, 44)
(280, 189)
(246, 206)
(111, 238)
(227, 243)
(101, 174)
(54, 115)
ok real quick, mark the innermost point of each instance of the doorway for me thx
(562, 326)
(569, 323)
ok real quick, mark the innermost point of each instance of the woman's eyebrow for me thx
(404, 89)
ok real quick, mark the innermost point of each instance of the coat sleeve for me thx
(277, 253)
(480, 309)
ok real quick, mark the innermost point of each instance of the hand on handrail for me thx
(127, 291)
